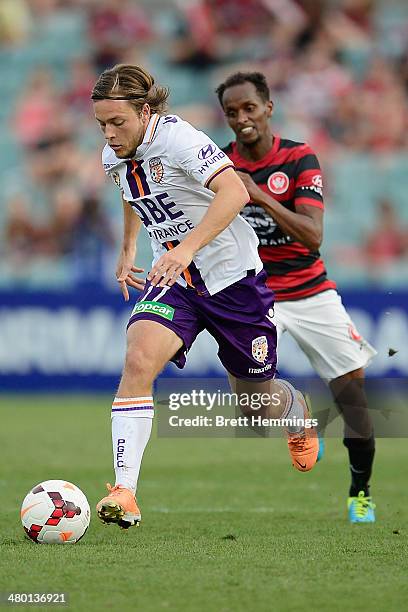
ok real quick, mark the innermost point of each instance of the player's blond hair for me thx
(132, 83)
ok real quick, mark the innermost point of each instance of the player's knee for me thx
(350, 397)
(348, 390)
(139, 364)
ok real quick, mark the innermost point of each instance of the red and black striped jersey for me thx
(290, 173)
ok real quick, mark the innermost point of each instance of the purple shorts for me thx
(236, 317)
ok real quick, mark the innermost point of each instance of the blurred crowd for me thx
(338, 71)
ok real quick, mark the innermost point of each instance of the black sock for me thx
(361, 454)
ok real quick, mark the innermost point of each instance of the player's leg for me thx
(281, 323)
(324, 331)
(162, 327)
(287, 404)
(150, 346)
(351, 400)
(241, 324)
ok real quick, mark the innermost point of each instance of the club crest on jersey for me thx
(278, 182)
(260, 349)
(156, 169)
(116, 178)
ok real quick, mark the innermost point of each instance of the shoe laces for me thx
(113, 490)
(297, 441)
(363, 504)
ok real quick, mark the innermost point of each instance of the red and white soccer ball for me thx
(55, 512)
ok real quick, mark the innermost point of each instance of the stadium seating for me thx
(355, 182)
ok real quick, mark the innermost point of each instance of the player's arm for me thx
(230, 197)
(305, 225)
(131, 228)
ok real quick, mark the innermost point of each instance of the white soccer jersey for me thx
(166, 184)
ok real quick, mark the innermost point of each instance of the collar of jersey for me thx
(150, 133)
(260, 163)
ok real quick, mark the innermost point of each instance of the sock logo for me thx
(120, 451)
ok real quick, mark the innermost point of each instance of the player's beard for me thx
(126, 154)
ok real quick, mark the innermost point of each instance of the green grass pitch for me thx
(228, 524)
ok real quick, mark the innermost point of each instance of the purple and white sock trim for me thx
(133, 406)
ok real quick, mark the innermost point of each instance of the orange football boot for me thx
(304, 446)
(119, 507)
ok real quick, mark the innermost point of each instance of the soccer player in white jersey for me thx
(206, 272)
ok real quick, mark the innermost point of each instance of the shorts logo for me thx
(270, 315)
(116, 178)
(260, 349)
(157, 308)
(260, 370)
(354, 334)
(278, 182)
(206, 151)
(156, 169)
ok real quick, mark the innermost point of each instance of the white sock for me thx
(132, 419)
(293, 408)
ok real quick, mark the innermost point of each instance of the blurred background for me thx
(338, 71)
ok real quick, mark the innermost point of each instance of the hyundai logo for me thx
(206, 151)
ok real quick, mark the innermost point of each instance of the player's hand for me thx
(255, 192)
(124, 274)
(170, 265)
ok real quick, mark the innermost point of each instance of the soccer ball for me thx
(55, 512)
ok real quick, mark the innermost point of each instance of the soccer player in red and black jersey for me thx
(284, 181)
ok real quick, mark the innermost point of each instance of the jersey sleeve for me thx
(308, 180)
(196, 154)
